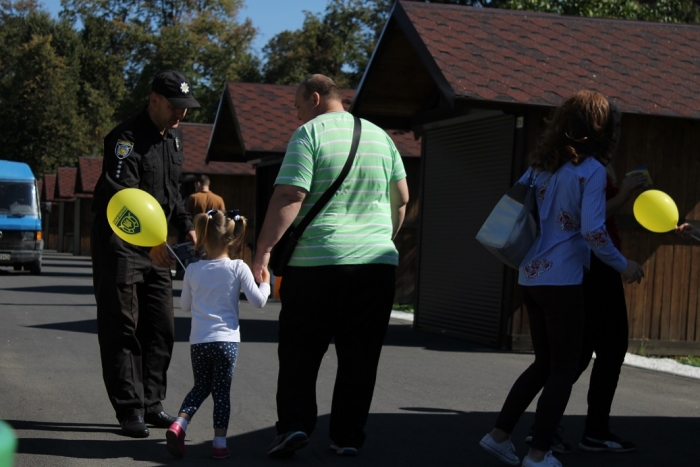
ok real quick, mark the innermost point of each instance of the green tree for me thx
(39, 87)
(338, 44)
(200, 38)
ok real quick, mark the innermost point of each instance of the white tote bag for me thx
(511, 228)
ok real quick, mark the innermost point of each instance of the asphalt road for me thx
(435, 396)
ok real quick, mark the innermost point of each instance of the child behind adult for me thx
(570, 181)
(211, 290)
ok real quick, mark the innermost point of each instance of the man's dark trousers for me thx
(351, 305)
(135, 323)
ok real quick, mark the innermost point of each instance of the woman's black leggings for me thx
(556, 326)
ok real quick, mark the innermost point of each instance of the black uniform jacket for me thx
(136, 155)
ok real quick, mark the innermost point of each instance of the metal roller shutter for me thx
(467, 168)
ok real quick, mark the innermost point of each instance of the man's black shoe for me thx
(134, 426)
(159, 419)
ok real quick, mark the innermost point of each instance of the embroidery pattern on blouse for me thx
(568, 221)
(536, 267)
(597, 237)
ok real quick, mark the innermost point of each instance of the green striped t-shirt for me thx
(355, 226)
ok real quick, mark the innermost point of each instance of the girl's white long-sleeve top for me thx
(211, 290)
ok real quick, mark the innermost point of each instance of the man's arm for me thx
(399, 199)
(283, 209)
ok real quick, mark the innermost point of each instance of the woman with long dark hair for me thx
(568, 166)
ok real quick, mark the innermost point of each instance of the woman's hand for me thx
(633, 272)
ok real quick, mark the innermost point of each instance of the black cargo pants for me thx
(135, 323)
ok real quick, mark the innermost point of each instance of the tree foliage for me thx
(64, 83)
(337, 44)
(39, 87)
(201, 38)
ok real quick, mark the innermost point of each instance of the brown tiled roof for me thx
(65, 182)
(48, 192)
(267, 118)
(266, 115)
(89, 171)
(196, 140)
(488, 54)
(405, 142)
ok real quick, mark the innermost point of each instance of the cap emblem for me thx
(184, 88)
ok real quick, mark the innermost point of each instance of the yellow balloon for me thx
(656, 211)
(137, 218)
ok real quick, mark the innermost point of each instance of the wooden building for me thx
(49, 221)
(89, 170)
(67, 195)
(254, 124)
(234, 182)
(65, 201)
(476, 84)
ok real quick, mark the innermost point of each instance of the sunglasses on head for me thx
(233, 214)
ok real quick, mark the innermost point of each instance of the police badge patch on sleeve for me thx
(123, 148)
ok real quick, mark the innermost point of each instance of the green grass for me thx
(403, 307)
(689, 360)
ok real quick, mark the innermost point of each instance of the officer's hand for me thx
(192, 236)
(161, 256)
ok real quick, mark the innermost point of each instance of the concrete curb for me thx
(665, 365)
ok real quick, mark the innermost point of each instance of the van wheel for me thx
(35, 268)
(17, 267)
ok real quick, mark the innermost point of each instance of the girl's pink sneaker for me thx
(176, 440)
(220, 453)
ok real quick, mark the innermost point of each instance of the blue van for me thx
(20, 218)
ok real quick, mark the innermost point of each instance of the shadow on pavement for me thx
(57, 289)
(265, 331)
(64, 427)
(419, 436)
(65, 274)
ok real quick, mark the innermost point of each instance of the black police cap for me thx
(175, 87)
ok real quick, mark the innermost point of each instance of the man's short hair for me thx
(323, 85)
(204, 180)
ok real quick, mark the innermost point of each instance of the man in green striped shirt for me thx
(339, 283)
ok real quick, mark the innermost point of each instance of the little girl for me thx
(210, 290)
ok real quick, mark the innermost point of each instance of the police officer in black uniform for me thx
(132, 284)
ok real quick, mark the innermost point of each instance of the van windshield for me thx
(18, 198)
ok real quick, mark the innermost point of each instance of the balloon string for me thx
(175, 256)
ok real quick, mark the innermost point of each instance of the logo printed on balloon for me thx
(127, 222)
(137, 218)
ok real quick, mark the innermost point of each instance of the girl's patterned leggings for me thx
(212, 364)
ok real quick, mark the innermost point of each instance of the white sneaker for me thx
(505, 451)
(548, 461)
(347, 451)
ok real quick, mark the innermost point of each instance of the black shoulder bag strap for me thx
(328, 194)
